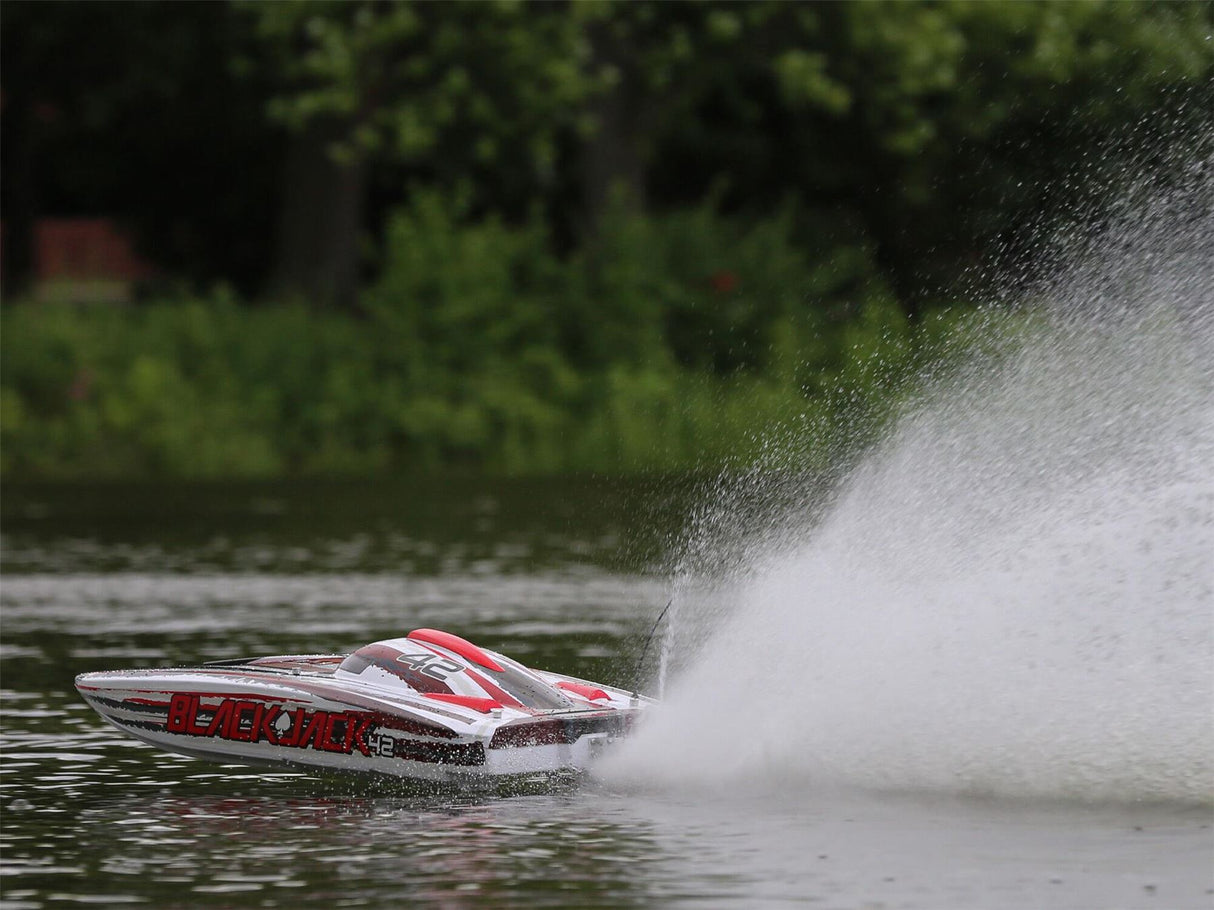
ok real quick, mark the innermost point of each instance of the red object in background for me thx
(83, 260)
(82, 385)
(85, 249)
(723, 281)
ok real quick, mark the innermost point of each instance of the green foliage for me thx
(673, 343)
(421, 81)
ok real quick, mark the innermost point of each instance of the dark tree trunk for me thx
(614, 157)
(321, 217)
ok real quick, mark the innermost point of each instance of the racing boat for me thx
(429, 706)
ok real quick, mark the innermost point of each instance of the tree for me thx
(934, 132)
(973, 121)
(454, 92)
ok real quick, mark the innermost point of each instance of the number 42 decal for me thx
(430, 664)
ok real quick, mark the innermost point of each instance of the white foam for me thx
(1014, 594)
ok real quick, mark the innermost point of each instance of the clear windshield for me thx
(532, 692)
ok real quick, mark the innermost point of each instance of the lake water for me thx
(564, 575)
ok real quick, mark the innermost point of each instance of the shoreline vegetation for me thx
(675, 342)
(379, 239)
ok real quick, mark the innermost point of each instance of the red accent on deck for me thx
(475, 702)
(456, 645)
(591, 693)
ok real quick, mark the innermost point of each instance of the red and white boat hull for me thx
(359, 713)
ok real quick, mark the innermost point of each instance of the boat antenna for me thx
(636, 675)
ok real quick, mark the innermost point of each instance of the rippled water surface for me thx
(566, 576)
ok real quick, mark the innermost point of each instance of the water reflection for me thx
(431, 526)
(274, 834)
